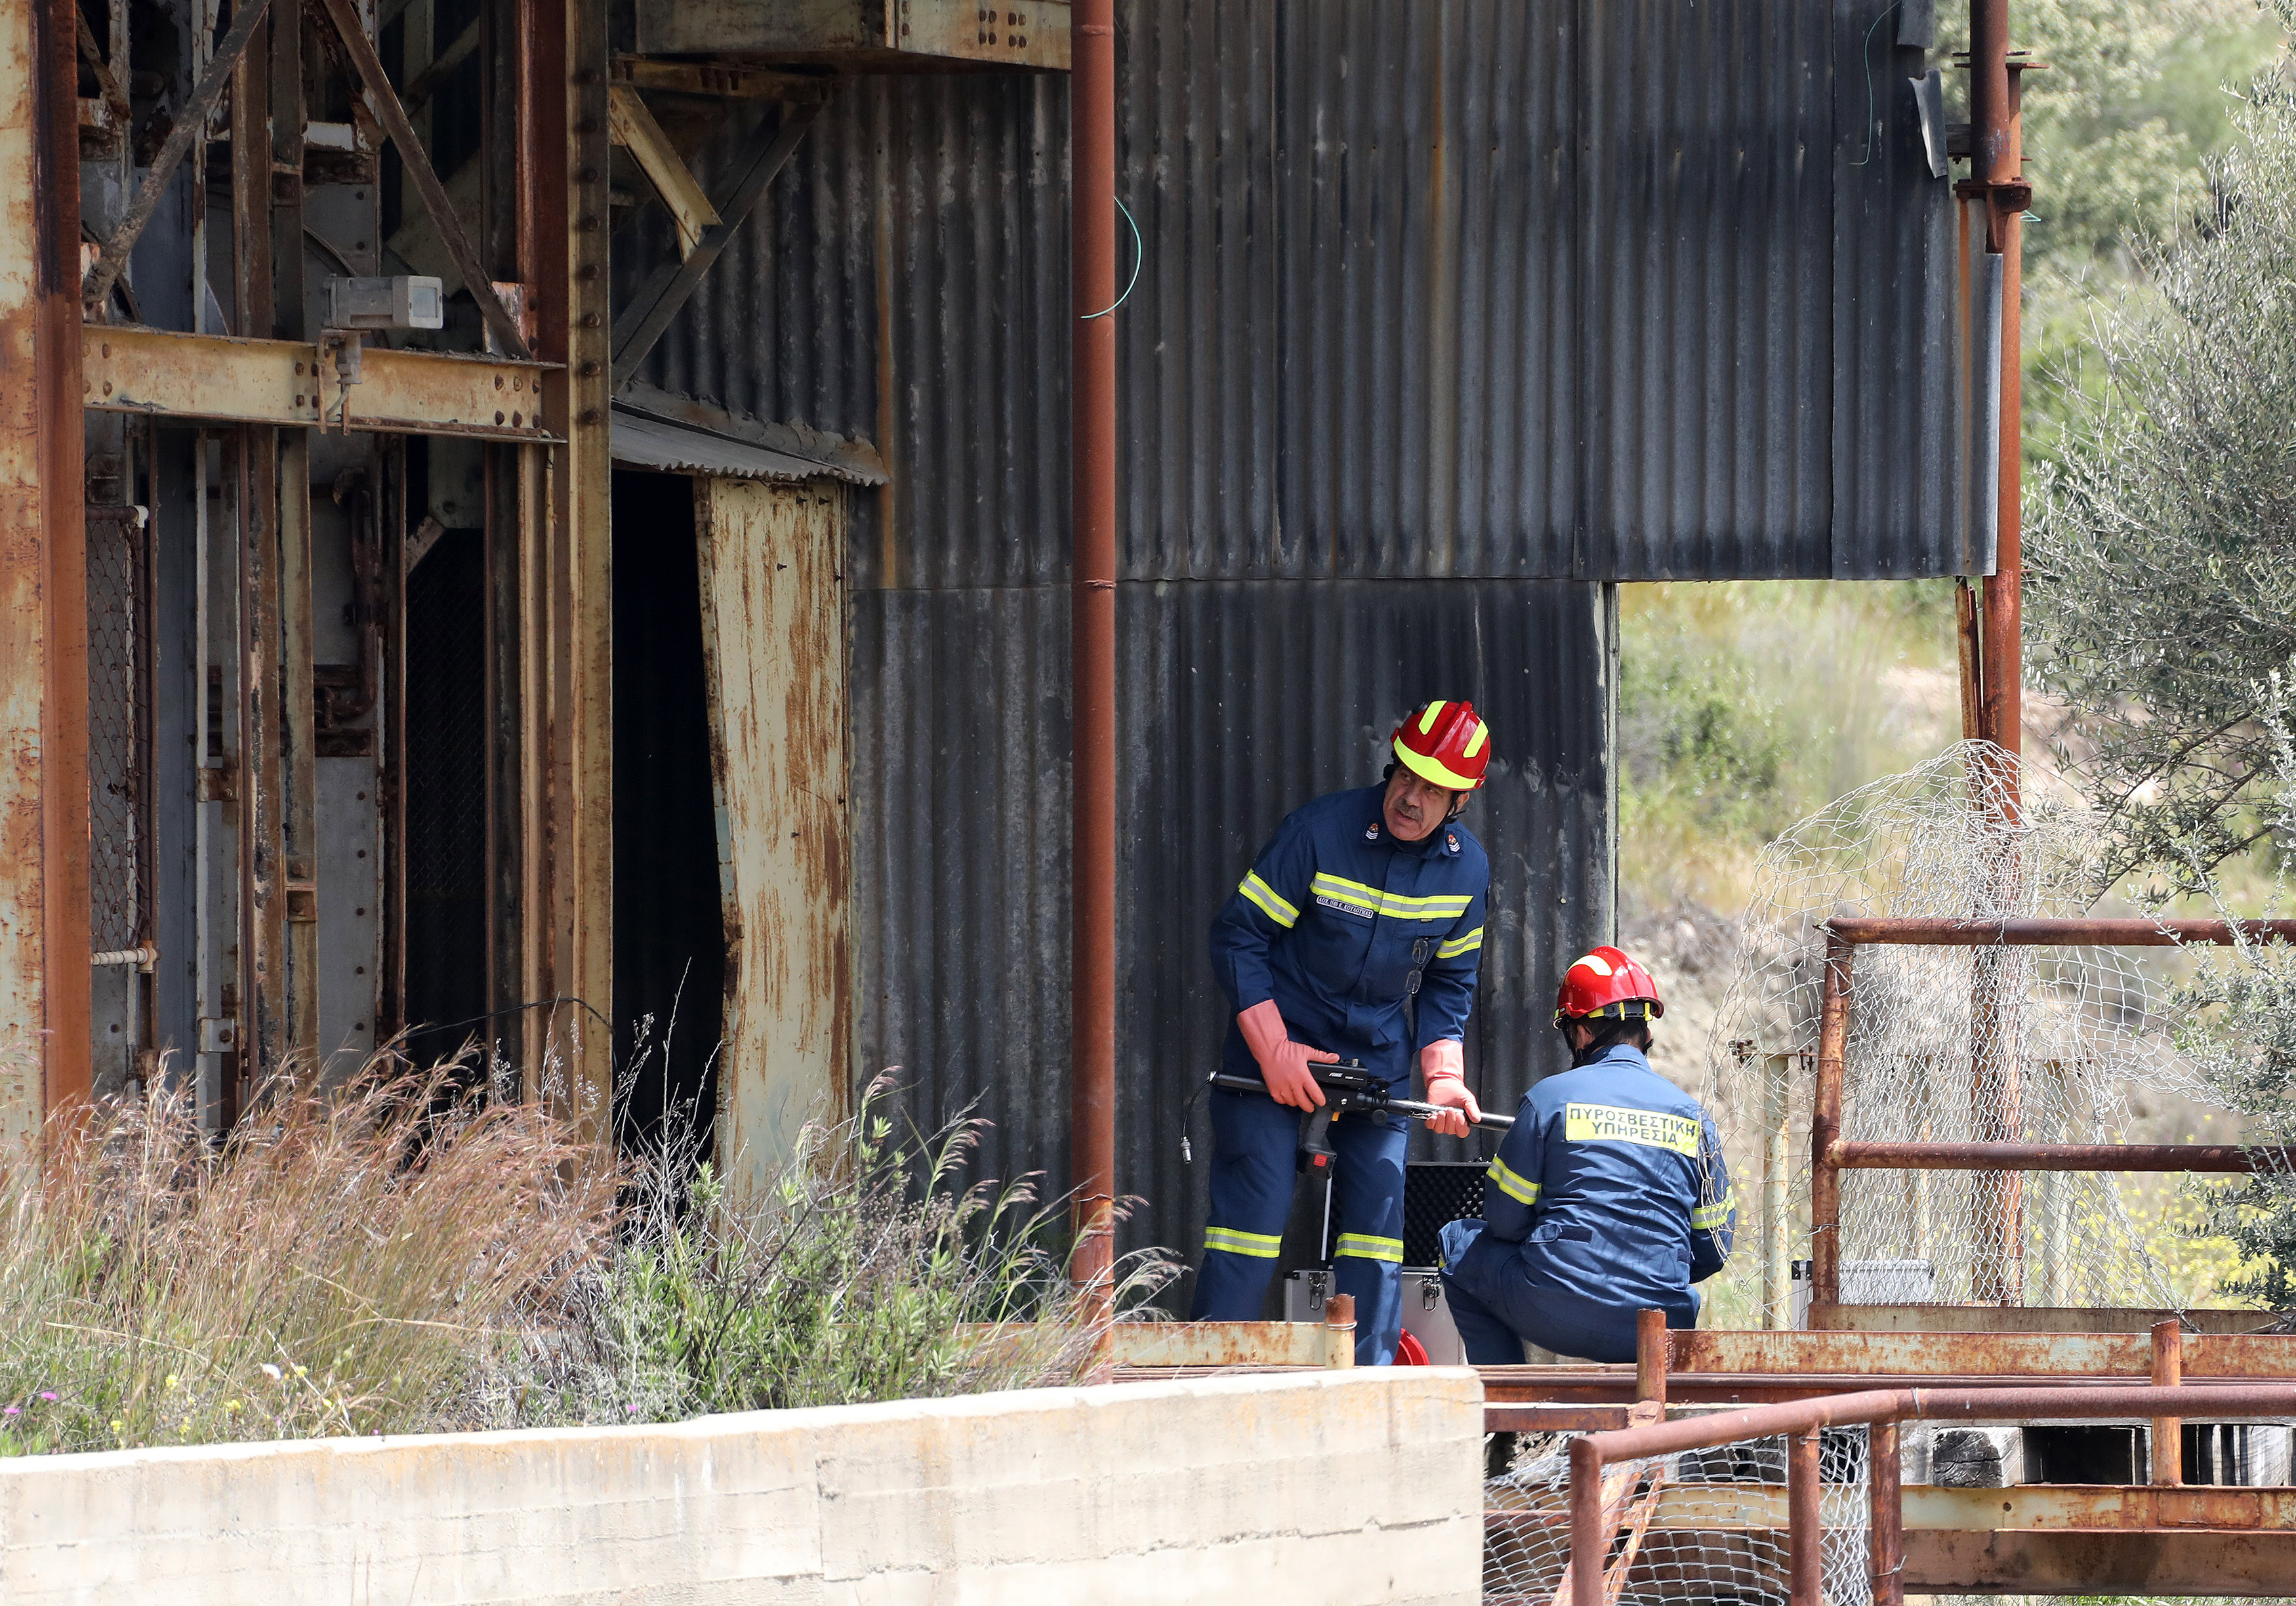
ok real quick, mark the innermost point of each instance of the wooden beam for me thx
(287, 383)
(634, 129)
(668, 288)
(425, 83)
(416, 162)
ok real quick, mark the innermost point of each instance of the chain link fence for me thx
(119, 726)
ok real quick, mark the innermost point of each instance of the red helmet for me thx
(1606, 985)
(1445, 742)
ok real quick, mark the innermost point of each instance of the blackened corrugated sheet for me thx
(1238, 702)
(1563, 288)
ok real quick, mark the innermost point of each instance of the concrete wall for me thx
(1342, 1487)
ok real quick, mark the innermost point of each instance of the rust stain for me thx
(43, 908)
(772, 557)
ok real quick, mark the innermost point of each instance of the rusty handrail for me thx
(1830, 1155)
(2082, 932)
(1857, 1155)
(1801, 1418)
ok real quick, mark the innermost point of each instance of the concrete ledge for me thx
(1331, 1487)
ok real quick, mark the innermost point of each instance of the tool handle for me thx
(1405, 1107)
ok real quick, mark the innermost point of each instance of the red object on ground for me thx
(1410, 1352)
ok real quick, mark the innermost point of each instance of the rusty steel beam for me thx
(43, 820)
(1825, 1120)
(2083, 932)
(2170, 1562)
(1857, 1156)
(1692, 1508)
(571, 159)
(668, 287)
(1990, 1354)
(1995, 1318)
(290, 385)
(1092, 613)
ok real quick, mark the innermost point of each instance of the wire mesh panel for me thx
(1702, 1525)
(1952, 1045)
(118, 730)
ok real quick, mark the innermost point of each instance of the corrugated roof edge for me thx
(855, 462)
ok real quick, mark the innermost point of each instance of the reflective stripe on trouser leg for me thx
(1368, 1203)
(1253, 1141)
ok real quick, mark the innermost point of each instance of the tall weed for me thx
(330, 1270)
(866, 1269)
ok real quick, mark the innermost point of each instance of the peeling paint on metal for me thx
(773, 640)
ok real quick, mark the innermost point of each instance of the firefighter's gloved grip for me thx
(1283, 1063)
(1442, 1066)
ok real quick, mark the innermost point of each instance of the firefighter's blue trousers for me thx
(1254, 1143)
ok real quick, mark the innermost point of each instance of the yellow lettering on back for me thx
(1609, 1123)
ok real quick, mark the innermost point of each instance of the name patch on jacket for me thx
(1608, 1124)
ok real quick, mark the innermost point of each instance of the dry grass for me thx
(407, 1254)
(330, 1270)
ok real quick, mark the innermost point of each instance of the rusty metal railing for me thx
(1879, 1411)
(1830, 1155)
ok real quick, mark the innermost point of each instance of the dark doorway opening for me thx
(670, 933)
(446, 795)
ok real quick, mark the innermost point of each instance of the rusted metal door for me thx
(774, 645)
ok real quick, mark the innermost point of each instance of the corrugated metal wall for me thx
(1238, 702)
(1534, 287)
(1445, 310)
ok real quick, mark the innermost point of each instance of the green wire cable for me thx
(1872, 116)
(1137, 252)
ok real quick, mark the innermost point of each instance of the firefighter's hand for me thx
(1283, 1063)
(1441, 1065)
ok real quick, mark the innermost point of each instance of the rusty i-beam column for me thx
(1996, 177)
(1092, 156)
(43, 824)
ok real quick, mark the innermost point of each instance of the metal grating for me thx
(119, 722)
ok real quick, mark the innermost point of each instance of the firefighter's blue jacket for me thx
(1327, 923)
(1609, 1197)
(1330, 924)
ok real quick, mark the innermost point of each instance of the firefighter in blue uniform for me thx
(1609, 1197)
(1361, 899)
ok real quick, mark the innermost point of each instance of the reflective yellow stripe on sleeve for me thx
(1260, 1246)
(1460, 944)
(1513, 1186)
(1272, 902)
(1364, 1247)
(1705, 1218)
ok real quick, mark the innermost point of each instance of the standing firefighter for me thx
(1608, 1198)
(1361, 901)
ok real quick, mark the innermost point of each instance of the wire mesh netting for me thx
(116, 717)
(1703, 1526)
(2020, 1044)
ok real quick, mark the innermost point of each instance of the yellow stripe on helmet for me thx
(1421, 765)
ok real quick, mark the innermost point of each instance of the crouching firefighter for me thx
(1609, 1197)
(1362, 901)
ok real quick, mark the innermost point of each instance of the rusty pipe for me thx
(2099, 1403)
(1650, 1348)
(1590, 1536)
(1091, 1111)
(1922, 931)
(2168, 1431)
(1825, 1123)
(1805, 1522)
(1861, 1156)
(1885, 1518)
